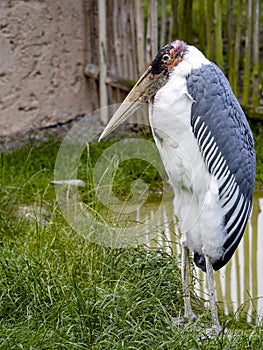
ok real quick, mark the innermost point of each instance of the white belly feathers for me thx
(196, 202)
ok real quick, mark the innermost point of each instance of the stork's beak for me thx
(145, 88)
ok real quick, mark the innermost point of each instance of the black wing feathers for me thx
(226, 144)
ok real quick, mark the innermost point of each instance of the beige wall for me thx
(42, 58)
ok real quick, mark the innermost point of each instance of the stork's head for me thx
(168, 58)
(149, 83)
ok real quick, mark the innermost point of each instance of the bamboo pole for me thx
(239, 18)
(187, 17)
(230, 41)
(173, 22)
(209, 29)
(202, 25)
(163, 23)
(218, 33)
(247, 55)
(180, 19)
(255, 53)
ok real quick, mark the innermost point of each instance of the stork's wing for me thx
(227, 146)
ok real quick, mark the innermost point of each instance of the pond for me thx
(239, 285)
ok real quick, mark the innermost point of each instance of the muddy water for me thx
(239, 285)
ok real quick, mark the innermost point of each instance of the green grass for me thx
(60, 291)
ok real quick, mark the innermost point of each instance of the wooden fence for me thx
(123, 37)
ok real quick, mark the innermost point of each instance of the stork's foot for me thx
(211, 332)
(182, 321)
(204, 331)
(217, 329)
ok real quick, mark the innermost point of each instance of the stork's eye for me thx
(166, 57)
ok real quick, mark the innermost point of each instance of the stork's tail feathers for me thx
(200, 261)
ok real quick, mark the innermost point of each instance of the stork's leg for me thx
(211, 287)
(188, 312)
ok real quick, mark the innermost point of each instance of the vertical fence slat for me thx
(123, 35)
(148, 47)
(148, 37)
(102, 60)
(92, 50)
(127, 41)
(133, 40)
(140, 46)
(154, 33)
(115, 40)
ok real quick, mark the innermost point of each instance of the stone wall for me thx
(42, 59)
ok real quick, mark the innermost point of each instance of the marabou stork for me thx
(207, 148)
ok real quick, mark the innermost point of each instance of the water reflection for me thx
(239, 285)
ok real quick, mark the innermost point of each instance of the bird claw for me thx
(182, 321)
(179, 321)
(211, 332)
(205, 332)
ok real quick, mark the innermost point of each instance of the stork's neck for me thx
(195, 57)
